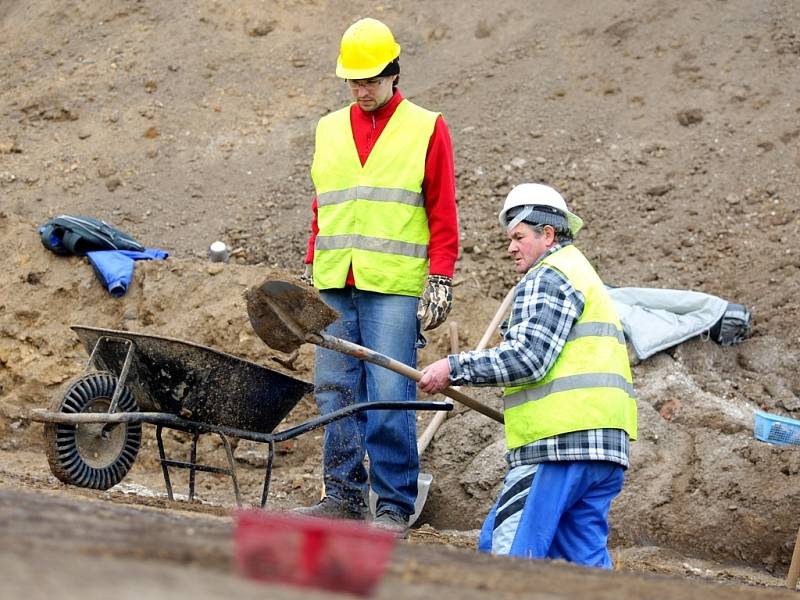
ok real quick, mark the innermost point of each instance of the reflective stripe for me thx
(570, 382)
(376, 194)
(373, 214)
(373, 244)
(596, 329)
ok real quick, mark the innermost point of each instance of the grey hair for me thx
(561, 235)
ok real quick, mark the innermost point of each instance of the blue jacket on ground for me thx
(112, 252)
(115, 267)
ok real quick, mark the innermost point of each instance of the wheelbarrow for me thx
(93, 430)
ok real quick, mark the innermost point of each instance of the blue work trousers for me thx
(387, 324)
(563, 515)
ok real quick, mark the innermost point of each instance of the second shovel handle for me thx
(357, 351)
(426, 436)
(498, 316)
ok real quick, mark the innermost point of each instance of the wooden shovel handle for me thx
(340, 345)
(794, 567)
(427, 436)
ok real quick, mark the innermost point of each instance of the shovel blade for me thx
(283, 313)
(423, 487)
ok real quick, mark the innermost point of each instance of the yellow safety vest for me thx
(590, 385)
(373, 217)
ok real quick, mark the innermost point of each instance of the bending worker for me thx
(383, 244)
(570, 411)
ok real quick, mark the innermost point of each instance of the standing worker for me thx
(382, 251)
(570, 411)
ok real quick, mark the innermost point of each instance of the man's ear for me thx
(549, 234)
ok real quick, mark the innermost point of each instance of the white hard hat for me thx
(533, 195)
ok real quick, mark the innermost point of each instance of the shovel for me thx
(285, 315)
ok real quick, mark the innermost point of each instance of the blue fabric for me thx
(386, 324)
(565, 513)
(115, 267)
(500, 527)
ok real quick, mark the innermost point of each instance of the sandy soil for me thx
(62, 542)
(671, 127)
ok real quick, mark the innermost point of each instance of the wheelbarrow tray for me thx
(195, 382)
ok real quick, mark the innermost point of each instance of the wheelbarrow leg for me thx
(163, 461)
(232, 466)
(193, 462)
(194, 467)
(268, 474)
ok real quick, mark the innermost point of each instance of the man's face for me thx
(527, 245)
(372, 93)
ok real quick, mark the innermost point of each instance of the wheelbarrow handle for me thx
(357, 351)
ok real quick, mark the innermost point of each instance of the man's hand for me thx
(435, 377)
(307, 275)
(436, 301)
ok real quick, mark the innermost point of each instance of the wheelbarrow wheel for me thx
(92, 455)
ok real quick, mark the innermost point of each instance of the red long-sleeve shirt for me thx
(438, 185)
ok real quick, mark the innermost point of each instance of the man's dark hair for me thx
(393, 68)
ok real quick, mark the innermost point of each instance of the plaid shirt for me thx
(545, 308)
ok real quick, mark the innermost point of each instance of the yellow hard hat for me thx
(367, 47)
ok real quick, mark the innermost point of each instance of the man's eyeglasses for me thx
(369, 84)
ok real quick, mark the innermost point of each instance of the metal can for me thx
(218, 252)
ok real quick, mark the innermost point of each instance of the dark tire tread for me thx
(60, 439)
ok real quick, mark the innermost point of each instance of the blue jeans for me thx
(563, 513)
(386, 324)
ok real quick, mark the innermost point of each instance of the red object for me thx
(342, 556)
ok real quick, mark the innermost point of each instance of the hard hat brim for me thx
(345, 73)
(574, 222)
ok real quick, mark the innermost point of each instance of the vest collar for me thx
(552, 250)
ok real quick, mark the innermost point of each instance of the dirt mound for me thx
(670, 127)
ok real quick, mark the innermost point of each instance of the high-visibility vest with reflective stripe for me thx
(373, 216)
(590, 385)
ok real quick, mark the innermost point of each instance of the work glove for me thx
(436, 301)
(307, 275)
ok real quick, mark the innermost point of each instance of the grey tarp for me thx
(655, 319)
